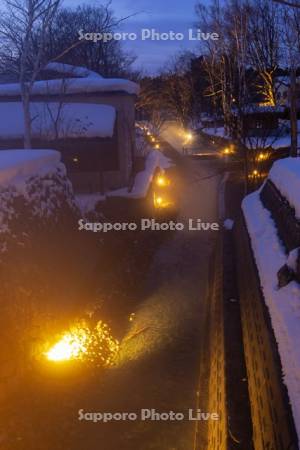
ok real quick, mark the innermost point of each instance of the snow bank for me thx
(155, 160)
(285, 174)
(283, 304)
(88, 202)
(49, 120)
(73, 86)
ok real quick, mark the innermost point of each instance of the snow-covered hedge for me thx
(35, 194)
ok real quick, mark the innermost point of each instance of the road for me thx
(159, 361)
(175, 135)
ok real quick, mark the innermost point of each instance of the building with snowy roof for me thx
(88, 118)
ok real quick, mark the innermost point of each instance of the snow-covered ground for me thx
(218, 132)
(62, 120)
(255, 142)
(270, 256)
(88, 202)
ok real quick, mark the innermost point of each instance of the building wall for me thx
(125, 107)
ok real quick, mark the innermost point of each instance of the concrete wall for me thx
(273, 426)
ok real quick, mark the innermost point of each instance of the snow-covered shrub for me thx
(41, 202)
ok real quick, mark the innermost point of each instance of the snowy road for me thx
(175, 135)
(159, 366)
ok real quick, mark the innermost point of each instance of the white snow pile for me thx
(285, 174)
(155, 160)
(87, 202)
(17, 165)
(217, 132)
(58, 120)
(292, 259)
(284, 303)
(75, 71)
(65, 86)
(34, 190)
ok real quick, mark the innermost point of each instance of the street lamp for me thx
(162, 181)
(85, 344)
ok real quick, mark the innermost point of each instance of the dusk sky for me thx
(163, 16)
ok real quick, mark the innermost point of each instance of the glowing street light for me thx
(72, 345)
(228, 150)
(262, 156)
(159, 201)
(162, 181)
(65, 350)
(82, 343)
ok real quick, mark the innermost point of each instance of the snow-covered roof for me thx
(16, 165)
(51, 120)
(254, 108)
(285, 80)
(75, 71)
(83, 81)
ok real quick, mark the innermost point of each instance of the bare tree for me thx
(32, 34)
(291, 38)
(22, 21)
(264, 27)
(107, 58)
(177, 93)
(225, 60)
